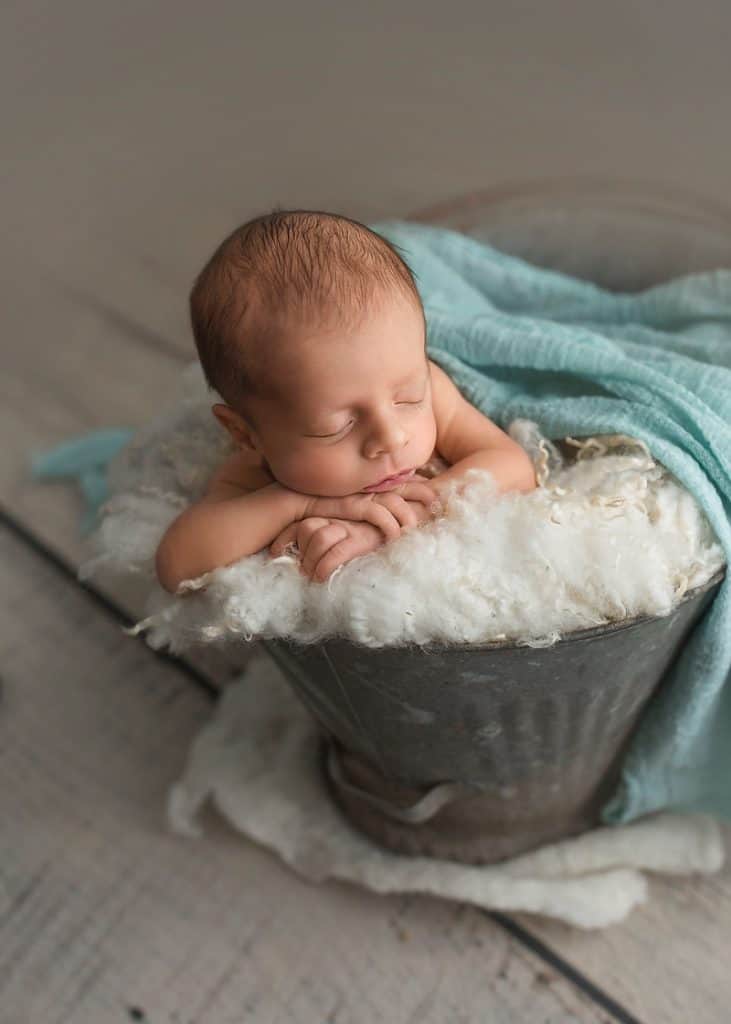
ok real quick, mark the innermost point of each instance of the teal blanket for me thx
(524, 342)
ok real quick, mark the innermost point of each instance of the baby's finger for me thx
(421, 513)
(430, 499)
(379, 515)
(287, 536)
(307, 528)
(319, 543)
(344, 551)
(361, 508)
(423, 492)
(296, 533)
(399, 508)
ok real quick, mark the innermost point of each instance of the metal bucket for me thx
(479, 752)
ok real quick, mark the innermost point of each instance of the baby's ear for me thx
(239, 430)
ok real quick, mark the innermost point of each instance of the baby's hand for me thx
(390, 511)
(326, 544)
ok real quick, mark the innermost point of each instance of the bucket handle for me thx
(424, 808)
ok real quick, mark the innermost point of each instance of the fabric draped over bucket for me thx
(523, 342)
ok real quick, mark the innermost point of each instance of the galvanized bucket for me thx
(479, 752)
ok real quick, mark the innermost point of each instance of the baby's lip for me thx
(391, 479)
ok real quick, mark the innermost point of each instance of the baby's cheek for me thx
(428, 435)
(310, 472)
(289, 473)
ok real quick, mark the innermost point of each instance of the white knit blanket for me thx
(258, 760)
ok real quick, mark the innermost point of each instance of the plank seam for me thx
(113, 609)
(579, 980)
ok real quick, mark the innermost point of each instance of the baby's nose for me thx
(389, 437)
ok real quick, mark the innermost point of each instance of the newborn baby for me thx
(309, 325)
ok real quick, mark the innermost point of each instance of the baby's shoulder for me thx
(445, 395)
(235, 476)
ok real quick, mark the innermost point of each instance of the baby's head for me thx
(310, 327)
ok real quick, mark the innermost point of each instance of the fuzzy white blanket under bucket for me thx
(259, 761)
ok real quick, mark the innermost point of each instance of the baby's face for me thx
(355, 407)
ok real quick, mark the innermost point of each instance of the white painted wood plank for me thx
(107, 918)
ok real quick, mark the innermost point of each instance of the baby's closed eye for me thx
(342, 430)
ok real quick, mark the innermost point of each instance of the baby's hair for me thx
(306, 266)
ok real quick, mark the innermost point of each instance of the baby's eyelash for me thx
(336, 432)
(350, 423)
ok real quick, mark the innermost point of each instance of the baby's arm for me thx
(231, 521)
(469, 440)
(224, 526)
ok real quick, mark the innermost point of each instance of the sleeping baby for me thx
(310, 328)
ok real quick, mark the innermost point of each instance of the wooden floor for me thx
(136, 135)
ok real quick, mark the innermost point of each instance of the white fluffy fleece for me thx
(608, 536)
